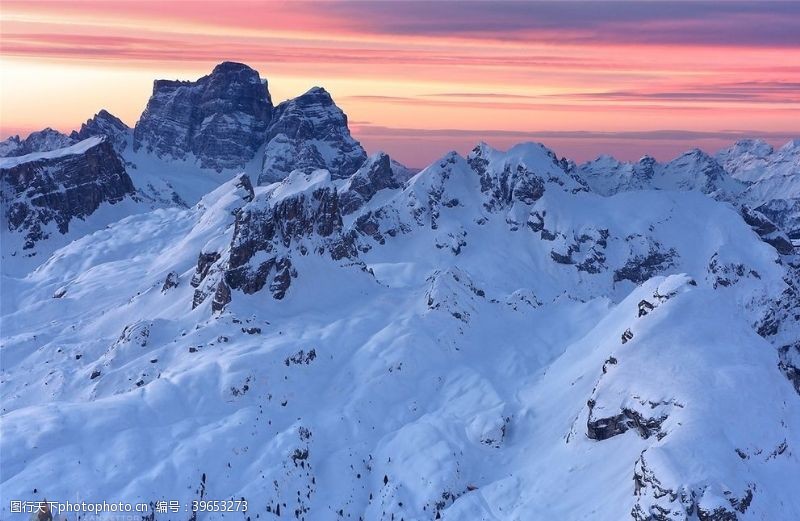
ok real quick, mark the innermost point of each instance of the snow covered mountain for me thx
(44, 193)
(41, 141)
(748, 173)
(326, 335)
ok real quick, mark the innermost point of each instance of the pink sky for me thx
(420, 78)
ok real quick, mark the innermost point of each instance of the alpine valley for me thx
(233, 301)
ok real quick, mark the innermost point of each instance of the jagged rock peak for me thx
(377, 173)
(102, 119)
(519, 174)
(309, 133)
(221, 118)
(104, 124)
(295, 217)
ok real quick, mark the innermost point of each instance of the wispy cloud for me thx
(578, 67)
(523, 135)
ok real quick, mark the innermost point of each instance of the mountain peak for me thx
(647, 159)
(228, 67)
(317, 91)
(606, 159)
(310, 132)
(221, 119)
(794, 144)
(105, 124)
(696, 153)
(313, 96)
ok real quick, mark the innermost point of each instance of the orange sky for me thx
(420, 78)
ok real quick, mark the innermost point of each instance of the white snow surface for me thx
(450, 379)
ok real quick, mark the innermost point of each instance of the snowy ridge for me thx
(749, 172)
(78, 148)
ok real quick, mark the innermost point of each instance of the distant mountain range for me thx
(233, 301)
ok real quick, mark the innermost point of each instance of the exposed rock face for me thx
(767, 230)
(41, 141)
(221, 118)
(519, 175)
(608, 427)
(785, 212)
(777, 322)
(789, 356)
(10, 146)
(299, 216)
(105, 124)
(377, 173)
(722, 274)
(308, 133)
(306, 220)
(58, 189)
(172, 280)
(775, 188)
(657, 500)
(648, 258)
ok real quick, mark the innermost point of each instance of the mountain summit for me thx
(221, 118)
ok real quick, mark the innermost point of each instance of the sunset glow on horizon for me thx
(417, 79)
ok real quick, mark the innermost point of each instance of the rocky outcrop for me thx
(376, 174)
(721, 274)
(299, 216)
(603, 428)
(172, 280)
(585, 250)
(221, 119)
(267, 232)
(648, 258)
(767, 230)
(519, 175)
(789, 363)
(786, 213)
(656, 500)
(60, 187)
(105, 124)
(308, 133)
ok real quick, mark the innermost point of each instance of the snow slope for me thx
(495, 342)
